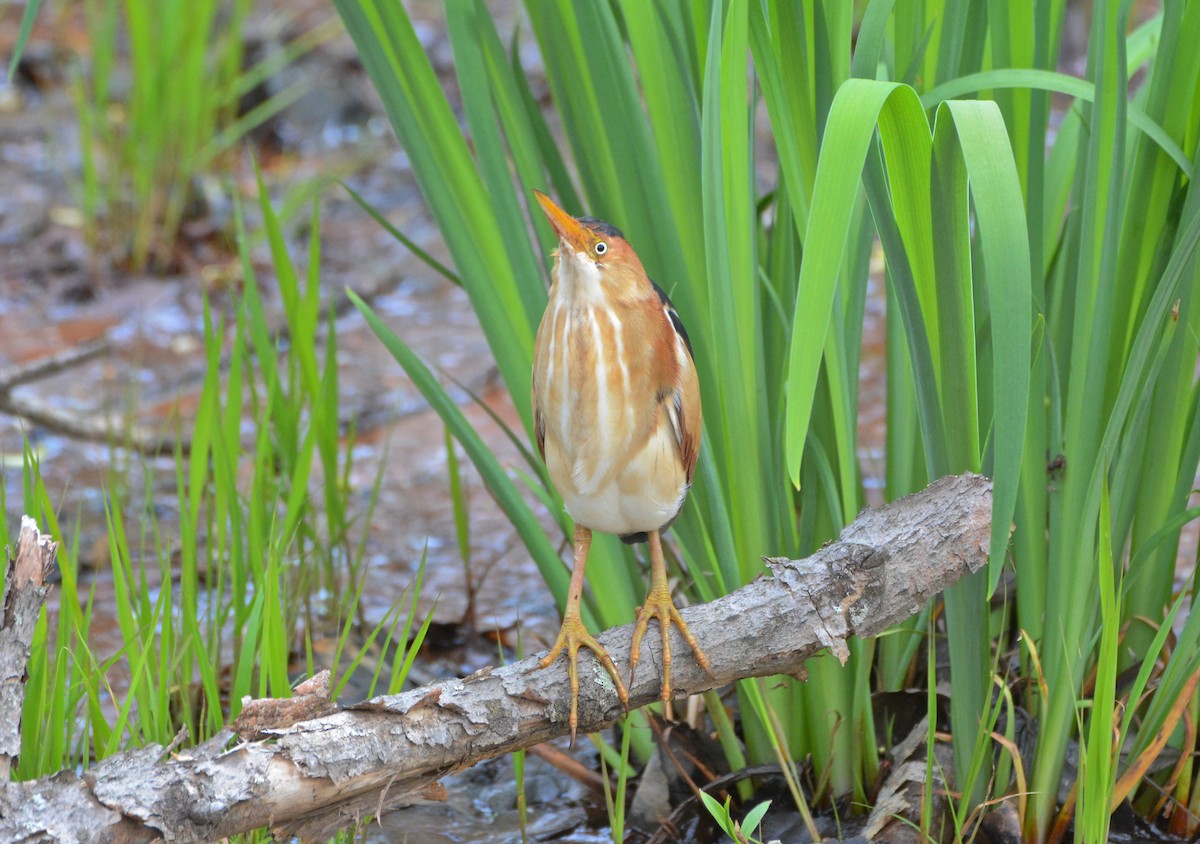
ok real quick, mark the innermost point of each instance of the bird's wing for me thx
(683, 408)
(539, 428)
(686, 418)
(672, 315)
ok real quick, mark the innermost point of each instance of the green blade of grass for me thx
(1058, 83)
(856, 111)
(1005, 248)
(427, 259)
(27, 19)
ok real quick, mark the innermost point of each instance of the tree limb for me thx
(311, 777)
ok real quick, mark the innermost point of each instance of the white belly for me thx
(645, 495)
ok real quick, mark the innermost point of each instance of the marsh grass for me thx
(1040, 288)
(1040, 234)
(220, 605)
(149, 138)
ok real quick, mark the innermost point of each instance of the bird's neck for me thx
(578, 284)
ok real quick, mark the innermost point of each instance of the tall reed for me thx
(1040, 325)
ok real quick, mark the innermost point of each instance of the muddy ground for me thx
(57, 294)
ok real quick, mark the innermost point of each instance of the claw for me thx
(571, 637)
(659, 605)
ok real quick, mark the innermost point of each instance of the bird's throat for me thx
(578, 282)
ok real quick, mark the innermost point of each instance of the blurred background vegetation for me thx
(907, 240)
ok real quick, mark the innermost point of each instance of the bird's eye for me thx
(601, 248)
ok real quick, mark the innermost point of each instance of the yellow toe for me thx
(572, 636)
(659, 605)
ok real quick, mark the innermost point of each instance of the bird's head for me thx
(593, 258)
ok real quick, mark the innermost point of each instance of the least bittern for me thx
(616, 408)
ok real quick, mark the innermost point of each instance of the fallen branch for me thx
(24, 591)
(51, 365)
(310, 776)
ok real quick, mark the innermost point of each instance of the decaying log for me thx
(311, 777)
(21, 597)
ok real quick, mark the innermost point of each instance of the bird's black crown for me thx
(607, 229)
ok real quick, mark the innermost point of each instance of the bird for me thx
(617, 417)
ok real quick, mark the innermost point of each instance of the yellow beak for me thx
(568, 229)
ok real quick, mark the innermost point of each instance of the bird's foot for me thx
(659, 605)
(571, 637)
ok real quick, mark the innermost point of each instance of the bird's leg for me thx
(573, 635)
(659, 605)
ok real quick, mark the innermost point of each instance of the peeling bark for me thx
(24, 592)
(311, 777)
